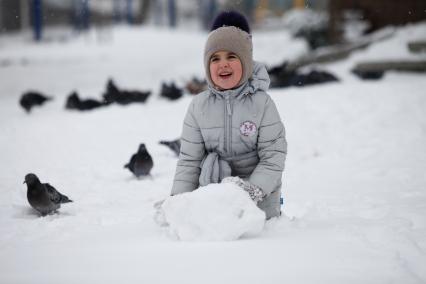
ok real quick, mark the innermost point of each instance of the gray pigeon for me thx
(42, 196)
(173, 145)
(141, 163)
(31, 99)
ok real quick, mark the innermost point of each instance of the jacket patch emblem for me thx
(248, 128)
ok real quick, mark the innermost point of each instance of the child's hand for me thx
(256, 194)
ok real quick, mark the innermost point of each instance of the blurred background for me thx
(322, 22)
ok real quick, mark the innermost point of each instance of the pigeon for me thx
(170, 91)
(141, 163)
(42, 196)
(283, 76)
(30, 99)
(196, 86)
(173, 145)
(112, 92)
(74, 102)
(123, 97)
(128, 97)
(368, 75)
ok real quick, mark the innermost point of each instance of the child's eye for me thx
(232, 56)
(214, 59)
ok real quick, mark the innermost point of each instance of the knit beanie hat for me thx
(231, 32)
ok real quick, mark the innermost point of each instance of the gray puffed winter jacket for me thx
(240, 128)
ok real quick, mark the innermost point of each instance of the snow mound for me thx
(217, 212)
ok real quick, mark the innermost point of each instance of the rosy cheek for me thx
(212, 69)
(213, 72)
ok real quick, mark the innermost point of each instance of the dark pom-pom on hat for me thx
(231, 18)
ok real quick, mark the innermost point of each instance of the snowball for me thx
(216, 212)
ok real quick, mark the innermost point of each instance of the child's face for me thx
(225, 69)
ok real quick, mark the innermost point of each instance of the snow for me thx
(216, 212)
(354, 184)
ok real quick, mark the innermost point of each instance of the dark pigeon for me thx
(196, 86)
(140, 163)
(123, 97)
(173, 145)
(369, 75)
(74, 102)
(42, 196)
(112, 93)
(314, 77)
(282, 76)
(170, 91)
(30, 99)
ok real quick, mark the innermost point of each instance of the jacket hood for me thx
(259, 81)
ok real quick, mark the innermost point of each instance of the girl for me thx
(232, 132)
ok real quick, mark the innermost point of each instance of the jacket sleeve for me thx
(272, 150)
(192, 152)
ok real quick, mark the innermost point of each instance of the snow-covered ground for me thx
(354, 184)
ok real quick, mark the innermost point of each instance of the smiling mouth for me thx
(225, 75)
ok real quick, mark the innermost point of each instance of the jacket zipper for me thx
(228, 129)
